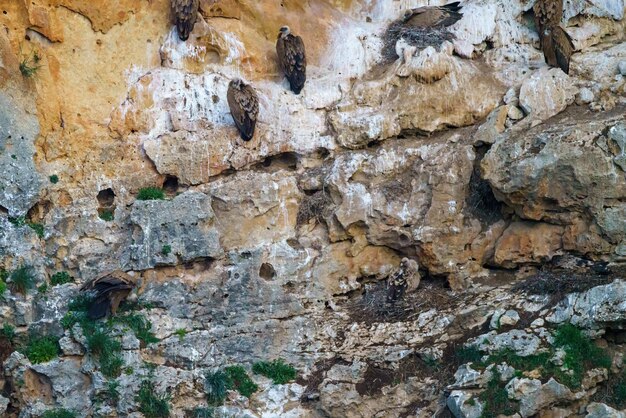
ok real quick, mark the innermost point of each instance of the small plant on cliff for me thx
(140, 326)
(58, 413)
(22, 279)
(581, 354)
(496, 398)
(108, 350)
(29, 65)
(42, 349)
(166, 250)
(3, 288)
(216, 385)
(38, 228)
(18, 221)
(150, 193)
(277, 370)
(241, 380)
(151, 404)
(8, 332)
(181, 332)
(60, 277)
(54, 179)
(203, 413)
(106, 215)
(21, 221)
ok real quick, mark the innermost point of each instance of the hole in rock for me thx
(170, 185)
(106, 204)
(106, 197)
(267, 271)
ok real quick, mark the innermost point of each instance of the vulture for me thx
(108, 291)
(244, 107)
(433, 16)
(406, 276)
(555, 42)
(185, 15)
(291, 58)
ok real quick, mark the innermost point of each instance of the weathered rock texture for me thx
(471, 157)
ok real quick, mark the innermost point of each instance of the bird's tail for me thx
(563, 48)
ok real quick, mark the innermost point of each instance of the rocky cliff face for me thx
(502, 178)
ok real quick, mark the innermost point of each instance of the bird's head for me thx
(284, 31)
(237, 83)
(407, 15)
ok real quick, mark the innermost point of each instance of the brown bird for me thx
(405, 277)
(185, 15)
(291, 58)
(244, 107)
(108, 291)
(433, 16)
(556, 44)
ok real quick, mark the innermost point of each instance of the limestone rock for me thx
(600, 410)
(528, 242)
(596, 308)
(519, 341)
(546, 93)
(20, 183)
(66, 379)
(533, 396)
(360, 120)
(186, 224)
(461, 408)
(561, 176)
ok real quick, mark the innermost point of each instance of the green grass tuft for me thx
(58, 413)
(495, 398)
(106, 215)
(42, 349)
(29, 65)
(61, 277)
(54, 179)
(203, 413)
(241, 381)
(108, 350)
(8, 332)
(581, 354)
(217, 384)
(277, 370)
(151, 404)
(43, 288)
(18, 221)
(21, 221)
(468, 354)
(166, 250)
(38, 228)
(181, 332)
(22, 279)
(3, 288)
(150, 193)
(140, 326)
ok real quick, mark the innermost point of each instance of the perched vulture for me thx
(185, 15)
(555, 42)
(291, 58)
(108, 290)
(405, 277)
(433, 16)
(244, 107)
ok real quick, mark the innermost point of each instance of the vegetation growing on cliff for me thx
(22, 279)
(42, 349)
(60, 277)
(150, 193)
(277, 370)
(152, 404)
